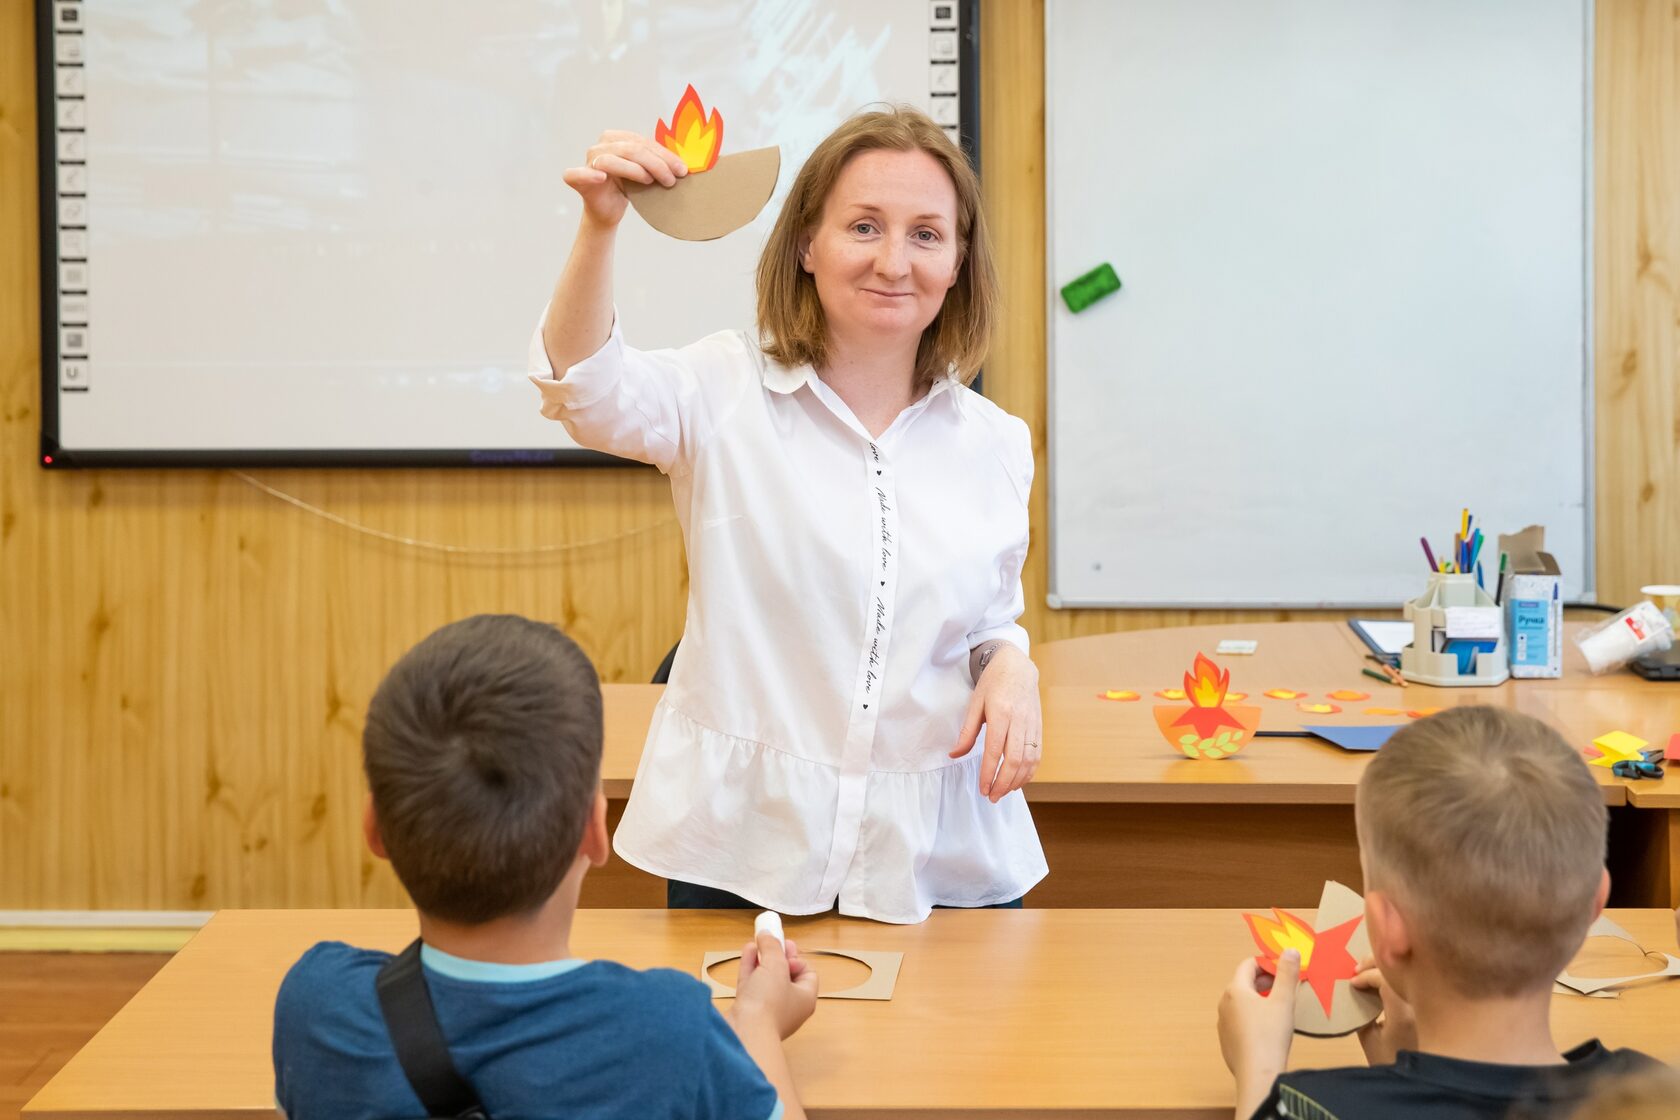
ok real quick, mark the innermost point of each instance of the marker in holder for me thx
(1458, 636)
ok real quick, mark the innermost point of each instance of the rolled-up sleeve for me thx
(999, 620)
(654, 406)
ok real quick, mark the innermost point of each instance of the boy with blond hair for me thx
(1482, 839)
(483, 757)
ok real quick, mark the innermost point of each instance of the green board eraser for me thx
(1089, 288)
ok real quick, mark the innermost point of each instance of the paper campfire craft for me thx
(1326, 1004)
(717, 196)
(1208, 728)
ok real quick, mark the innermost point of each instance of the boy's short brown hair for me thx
(791, 324)
(483, 753)
(1489, 830)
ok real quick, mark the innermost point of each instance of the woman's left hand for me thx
(1006, 702)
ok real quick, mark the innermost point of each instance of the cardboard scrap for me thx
(1329, 1005)
(1604, 927)
(1597, 985)
(883, 972)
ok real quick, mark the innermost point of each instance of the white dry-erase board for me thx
(323, 232)
(1353, 242)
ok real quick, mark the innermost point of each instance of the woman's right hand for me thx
(617, 156)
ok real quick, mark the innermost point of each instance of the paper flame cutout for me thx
(695, 139)
(1206, 689)
(1287, 932)
(1324, 953)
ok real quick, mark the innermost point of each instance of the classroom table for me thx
(1006, 1014)
(1126, 821)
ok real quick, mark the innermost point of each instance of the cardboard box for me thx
(1533, 600)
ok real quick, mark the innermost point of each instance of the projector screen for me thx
(322, 233)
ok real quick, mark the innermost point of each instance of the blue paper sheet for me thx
(1353, 738)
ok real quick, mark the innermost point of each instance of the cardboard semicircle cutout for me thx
(705, 205)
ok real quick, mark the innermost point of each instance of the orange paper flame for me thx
(1206, 689)
(694, 139)
(1288, 932)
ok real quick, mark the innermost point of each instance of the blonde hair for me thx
(1489, 831)
(791, 325)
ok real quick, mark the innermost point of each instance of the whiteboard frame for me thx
(53, 455)
(1589, 593)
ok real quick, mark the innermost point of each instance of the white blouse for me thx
(799, 757)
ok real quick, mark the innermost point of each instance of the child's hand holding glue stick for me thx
(775, 982)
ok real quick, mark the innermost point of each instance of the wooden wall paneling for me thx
(1636, 253)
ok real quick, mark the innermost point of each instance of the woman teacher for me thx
(856, 522)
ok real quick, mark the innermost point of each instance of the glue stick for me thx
(770, 922)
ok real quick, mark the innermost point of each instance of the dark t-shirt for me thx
(585, 1041)
(1447, 1088)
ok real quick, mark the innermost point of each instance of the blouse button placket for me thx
(857, 754)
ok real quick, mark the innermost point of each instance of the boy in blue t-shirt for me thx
(483, 755)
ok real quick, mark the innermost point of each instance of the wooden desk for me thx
(1126, 822)
(1006, 1014)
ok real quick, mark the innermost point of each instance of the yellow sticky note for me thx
(1617, 746)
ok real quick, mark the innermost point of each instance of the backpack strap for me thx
(424, 1055)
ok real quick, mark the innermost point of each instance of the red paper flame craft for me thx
(1324, 954)
(695, 140)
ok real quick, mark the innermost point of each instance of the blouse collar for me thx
(790, 379)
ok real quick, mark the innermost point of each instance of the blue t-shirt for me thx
(587, 1040)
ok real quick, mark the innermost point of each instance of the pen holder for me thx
(1423, 663)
